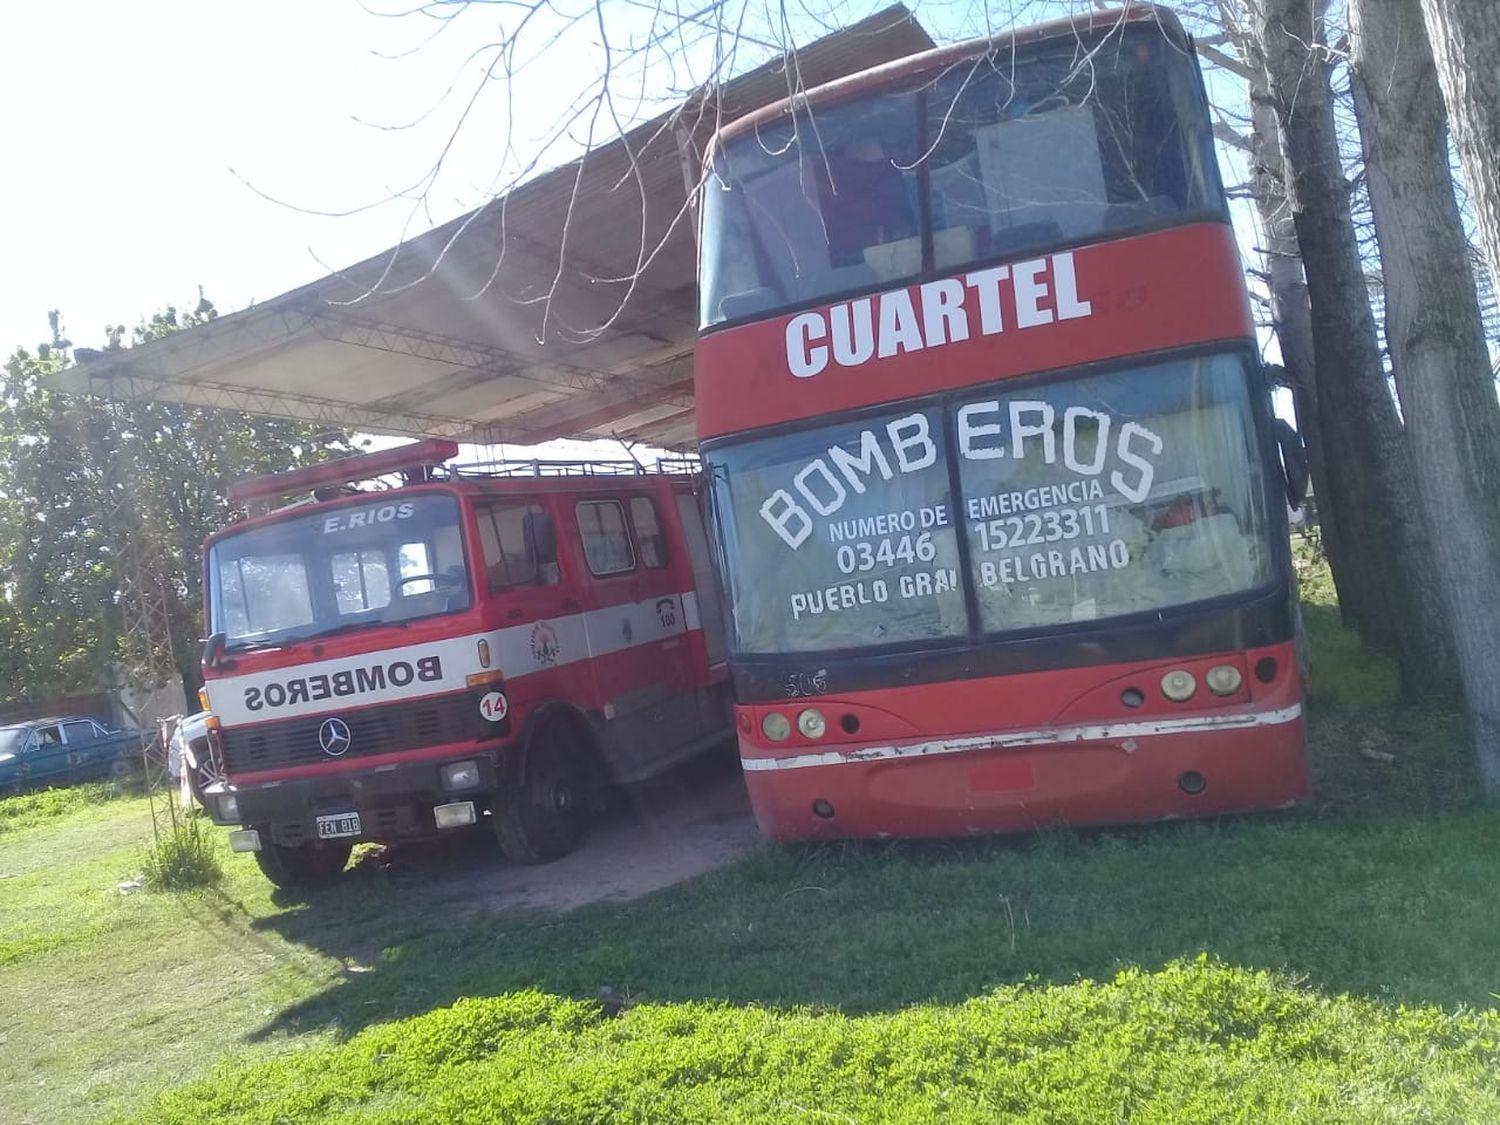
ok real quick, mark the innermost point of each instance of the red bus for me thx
(995, 473)
(470, 647)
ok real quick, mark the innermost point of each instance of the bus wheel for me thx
(307, 865)
(541, 818)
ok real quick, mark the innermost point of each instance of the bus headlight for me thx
(1178, 685)
(775, 726)
(229, 808)
(1223, 679)
(812, 724)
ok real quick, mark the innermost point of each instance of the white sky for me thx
(125, 124)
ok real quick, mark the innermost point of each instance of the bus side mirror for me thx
(541, 537)
(213, 650)
(1293, 462)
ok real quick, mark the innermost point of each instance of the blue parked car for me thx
(60, 751)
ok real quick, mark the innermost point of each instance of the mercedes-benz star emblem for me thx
(333, 736)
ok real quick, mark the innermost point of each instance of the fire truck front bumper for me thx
(386, 803)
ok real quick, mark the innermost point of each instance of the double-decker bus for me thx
(994, 467)
(471, 647)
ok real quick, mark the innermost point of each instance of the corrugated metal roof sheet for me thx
(476, 330)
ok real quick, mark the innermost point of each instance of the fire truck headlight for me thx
(229, 808)
(775, 726)
(244, 840)
(1223, 679)
(812, 724)
(460, 775)
(1178, 685)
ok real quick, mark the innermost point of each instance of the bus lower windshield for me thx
(1078, 500)
(335, 568)
(989, 158)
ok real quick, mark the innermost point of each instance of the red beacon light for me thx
(344, 470)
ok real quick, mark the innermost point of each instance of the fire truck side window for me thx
(648, 536)
(606, 543)
(509, 558)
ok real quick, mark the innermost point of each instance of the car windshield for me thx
(13, 739)
(1074, 500)
(988, 159)
(389, 560)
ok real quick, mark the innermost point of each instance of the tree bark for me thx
(1436, 338)
(1464, 37)
(1368, 464)
(1292, 316)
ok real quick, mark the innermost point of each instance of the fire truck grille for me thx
(372, 730)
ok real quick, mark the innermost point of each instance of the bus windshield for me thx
(1074, 500)
(989, 158)
(390, 560)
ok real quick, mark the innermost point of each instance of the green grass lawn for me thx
(1336, 964)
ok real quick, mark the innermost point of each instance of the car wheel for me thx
(119, 769)
(541, 817)
(306, 865)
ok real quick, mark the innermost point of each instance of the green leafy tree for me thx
(81, 480)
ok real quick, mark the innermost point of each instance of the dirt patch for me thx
(655, 835)
(659, 835)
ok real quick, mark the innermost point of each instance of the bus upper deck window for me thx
(865, 199)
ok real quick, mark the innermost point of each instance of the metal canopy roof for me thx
(439, 337)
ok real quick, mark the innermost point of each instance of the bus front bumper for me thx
(1017, 781)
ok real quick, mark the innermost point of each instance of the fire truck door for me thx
(635, 621)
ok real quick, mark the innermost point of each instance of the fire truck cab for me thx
(497, 643)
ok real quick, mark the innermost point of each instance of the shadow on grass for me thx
(1368, 755)
(1400, 909)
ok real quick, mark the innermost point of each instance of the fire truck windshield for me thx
(333, 568)
(1075, 499)
(988, 158)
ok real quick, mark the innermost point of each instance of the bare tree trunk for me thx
(1293, 317)
(1436, 339)
(1368, 464)
(1464, 36)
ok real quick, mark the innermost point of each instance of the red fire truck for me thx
(995, 474)
(501, 643)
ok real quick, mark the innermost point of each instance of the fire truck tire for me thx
(306, 866)
(541, 818)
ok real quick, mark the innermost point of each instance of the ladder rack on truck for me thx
(683, 464)
(461, 648)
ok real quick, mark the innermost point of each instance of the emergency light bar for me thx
(344, 470)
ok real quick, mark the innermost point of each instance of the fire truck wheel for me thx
(305, 866)
(541, 819)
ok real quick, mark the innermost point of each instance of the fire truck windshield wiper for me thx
(253, 646)
(347, 627)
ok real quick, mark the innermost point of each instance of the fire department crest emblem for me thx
(544, 644)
